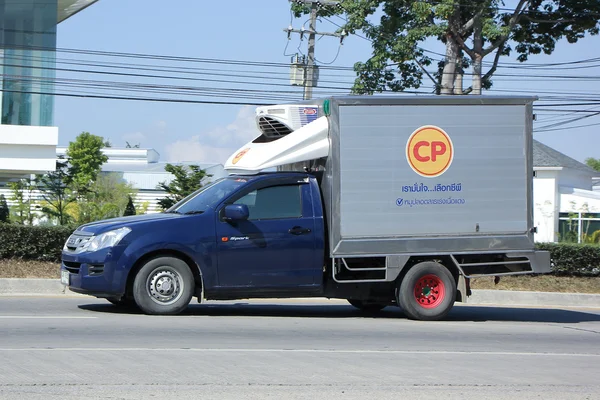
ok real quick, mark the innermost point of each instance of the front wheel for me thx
(427, 292)
(163, 286)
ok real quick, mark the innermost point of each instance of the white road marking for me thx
(330, 351)
(42, 317)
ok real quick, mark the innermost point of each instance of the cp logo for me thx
(429, 151)
(239, 155)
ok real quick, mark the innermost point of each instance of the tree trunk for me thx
(477, 74)
(477, 56)
(459, 75)
(458, 82)
(449, 71)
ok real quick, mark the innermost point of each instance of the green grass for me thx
(540, 283)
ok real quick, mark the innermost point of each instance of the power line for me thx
(144, 67)
(569, 128)
(136, 75)
(143, 98)
(147, 56)
(569, 121)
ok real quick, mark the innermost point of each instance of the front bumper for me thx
(97, 274)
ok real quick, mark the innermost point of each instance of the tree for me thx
(56, 193)
(130, 208)
(106, 198)
(22, 191)
(185, 182)
(593, 163)
(4, 210)
(85, 159)
(470, 30)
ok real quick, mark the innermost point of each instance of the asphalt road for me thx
(71, 348)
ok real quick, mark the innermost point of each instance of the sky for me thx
(251, 31)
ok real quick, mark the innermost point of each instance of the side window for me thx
(274, 202)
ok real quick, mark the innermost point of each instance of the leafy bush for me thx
(45, 243)
(41, 243)
(571, 259)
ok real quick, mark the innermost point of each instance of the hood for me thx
(130, 221)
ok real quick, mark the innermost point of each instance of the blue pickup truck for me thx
(390, 201)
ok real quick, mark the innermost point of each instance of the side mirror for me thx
(236, 212)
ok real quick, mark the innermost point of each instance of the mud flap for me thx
(462, 288)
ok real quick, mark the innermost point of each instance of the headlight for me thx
(106, 239)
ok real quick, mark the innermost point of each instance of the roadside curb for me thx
(522, 298)
(53, 287)
(32, 287)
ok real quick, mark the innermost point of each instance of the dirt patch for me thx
(540, 283)
(28, 269)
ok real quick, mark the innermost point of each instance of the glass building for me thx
(28, 33)
(28, 28)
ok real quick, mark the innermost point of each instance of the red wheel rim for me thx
(430, 291)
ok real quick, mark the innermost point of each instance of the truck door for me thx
(276, 246)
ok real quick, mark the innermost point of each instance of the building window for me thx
(28, 53)
(579, 227)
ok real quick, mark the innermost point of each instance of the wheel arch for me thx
(142, 260)
(445, 260)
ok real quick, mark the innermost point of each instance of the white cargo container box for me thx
(408, 174)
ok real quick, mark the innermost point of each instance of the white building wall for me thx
(144, 180)
(546, 205)
(575, 178)
(149, 198)
(121, 155)
(579, 200)
(27, 149)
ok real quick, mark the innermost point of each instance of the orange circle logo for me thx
(239, 155)
(429, 151)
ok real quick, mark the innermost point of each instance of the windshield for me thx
(207, 196)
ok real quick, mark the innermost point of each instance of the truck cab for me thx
(241, 236)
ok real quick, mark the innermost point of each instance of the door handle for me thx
(298, 230)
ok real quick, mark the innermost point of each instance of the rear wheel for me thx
(427, 292)
(163, 286)
(367, 306)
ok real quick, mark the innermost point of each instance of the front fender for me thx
(201, 252)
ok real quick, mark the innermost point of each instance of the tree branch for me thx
(549, 21)
(469, 24)
(435, 82)
(495, 64)
(511, 24)
(463, 45)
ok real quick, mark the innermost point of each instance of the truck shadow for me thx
(459, 313)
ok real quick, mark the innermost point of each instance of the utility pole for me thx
(309, 66)
(308, 87)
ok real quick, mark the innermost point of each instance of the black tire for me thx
(435, 288)
(163, 286)
(367, 306)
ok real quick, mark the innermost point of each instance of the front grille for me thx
(76, 241)
(72, 267)
(272, 128)
(95, 269)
